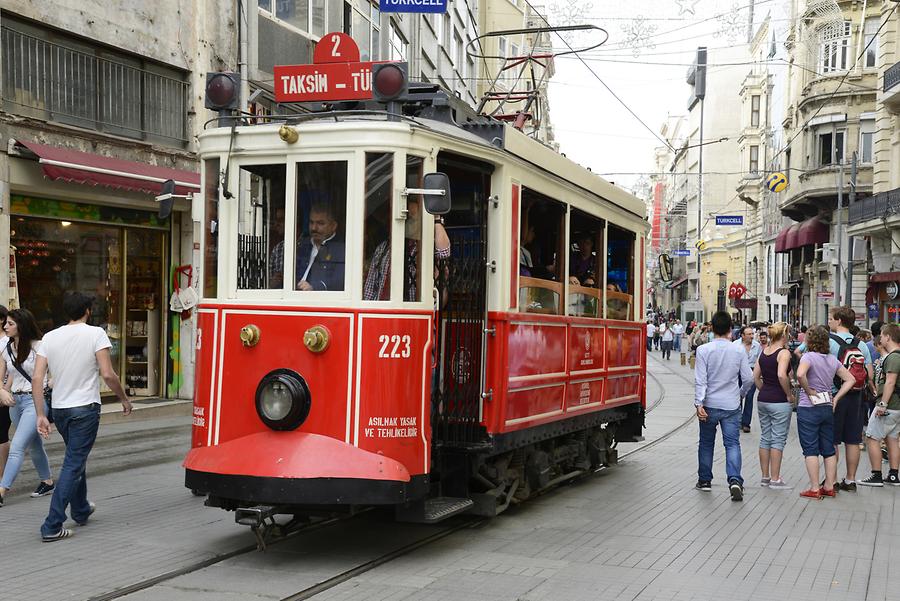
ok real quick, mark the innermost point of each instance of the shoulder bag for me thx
(48, 392)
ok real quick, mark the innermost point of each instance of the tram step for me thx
(433, 510)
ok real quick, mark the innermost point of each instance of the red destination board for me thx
(336, 74)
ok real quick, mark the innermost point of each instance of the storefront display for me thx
(117, 257)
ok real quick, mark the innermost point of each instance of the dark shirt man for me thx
(320, 257)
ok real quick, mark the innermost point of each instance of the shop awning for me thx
(781, 239)
(676, 283)
(812, 231)
(792, 240)
(95, 170)
(890, 276)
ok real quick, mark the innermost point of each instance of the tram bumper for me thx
(298, 468)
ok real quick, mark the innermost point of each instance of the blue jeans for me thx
(730, 421)
(677, 345)
(26, 437)
(815, 428)
(78, 427)
(774, 423)
(649, 343)
(747, 414)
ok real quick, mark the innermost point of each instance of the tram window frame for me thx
(579, 296)
(414, 172)
(305, 205)
(378, 216)
(257, 218)
(541, 212)
(211, 224)
(616, 234)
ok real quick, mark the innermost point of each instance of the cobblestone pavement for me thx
(635, 532)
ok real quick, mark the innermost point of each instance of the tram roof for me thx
(496, 136)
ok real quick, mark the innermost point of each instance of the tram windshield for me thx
(321, 227)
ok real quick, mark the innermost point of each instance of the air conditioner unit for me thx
(830, 253)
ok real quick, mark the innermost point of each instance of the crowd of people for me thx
(72, 358)
(839, 380)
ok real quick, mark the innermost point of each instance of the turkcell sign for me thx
(323, 83)
(413, 6)
(681, 252)
(729, 220)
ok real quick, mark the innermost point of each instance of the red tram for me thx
(325, 379)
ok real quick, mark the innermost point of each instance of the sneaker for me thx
(42, 490)
(780, 485)
(91, 511)
(764, 482)
(893, 480)
(63, 533)
(812, 494)
(846, 486)
(876, 480)
(704, 485)
(736, 490)
(884, 456)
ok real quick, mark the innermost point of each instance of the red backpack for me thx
(853, 359)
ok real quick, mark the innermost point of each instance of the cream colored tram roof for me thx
(257, 138)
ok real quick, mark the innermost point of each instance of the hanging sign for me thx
(825, 295)
(729, 220)
(413, 6)
(682, 252)
(336, 74)
(892, 289)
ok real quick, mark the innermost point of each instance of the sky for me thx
(644, 63)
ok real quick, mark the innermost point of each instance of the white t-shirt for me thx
(70, 351)
(678, 329)
(18, 383)
(651, 330)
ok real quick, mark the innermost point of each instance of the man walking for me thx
(75, 353)
(678, 330)
(718, 401)
(884, 423)
(749, 345)
(651, 333)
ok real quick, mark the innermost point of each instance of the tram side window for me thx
(321, 225)
(620, 274)
(412, 258)
(377, 231)
(541, 254)
(585, 265)
(211, 228)
(261, 227)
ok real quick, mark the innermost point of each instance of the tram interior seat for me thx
(537, 295)
(584, 301)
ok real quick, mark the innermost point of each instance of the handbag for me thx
(48, 392)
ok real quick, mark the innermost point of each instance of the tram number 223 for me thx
(394, 347)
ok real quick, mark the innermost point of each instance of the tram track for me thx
(459, 524)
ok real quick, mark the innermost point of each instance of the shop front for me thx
(883, 296)
(116, 255)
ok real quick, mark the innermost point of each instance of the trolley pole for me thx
(700, 202)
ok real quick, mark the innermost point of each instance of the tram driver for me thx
(320, 256)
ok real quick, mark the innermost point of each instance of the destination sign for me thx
(413, 6)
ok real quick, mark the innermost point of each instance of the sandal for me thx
(811, 494)
(827, 493)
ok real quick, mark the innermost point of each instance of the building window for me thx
(54, 77)
(459, 53)
(754, 110)
(835, 51)
(831, 147)
(310, 16)
(445, 31)
(399, 45)
(366, 31)
(870, 43)
(754, 160)
(866, 139)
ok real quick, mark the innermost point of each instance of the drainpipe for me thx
(243, 47)
(862, 36)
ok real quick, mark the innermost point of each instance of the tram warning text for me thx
(391, 427)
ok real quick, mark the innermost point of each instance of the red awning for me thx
(93, 169)
(781, 240)
(890, 276)
(792, 240)
(812, 231)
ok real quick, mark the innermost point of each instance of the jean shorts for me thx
(774, 423)
(815, 425)
(885, 426)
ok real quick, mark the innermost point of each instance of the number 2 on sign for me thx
(394, 347)
(336, 40)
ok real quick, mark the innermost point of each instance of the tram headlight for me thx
(283, 400)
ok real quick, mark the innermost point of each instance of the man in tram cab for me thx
(320, 256)
(582, 262)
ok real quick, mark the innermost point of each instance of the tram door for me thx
(461, 288)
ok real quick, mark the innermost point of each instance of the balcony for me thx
(892, 87)
(884, 204)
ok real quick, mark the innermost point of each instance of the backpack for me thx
(853, 359)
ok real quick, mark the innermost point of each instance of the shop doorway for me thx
(123, 268)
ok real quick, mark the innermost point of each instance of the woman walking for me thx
(16, 368)
(774, 404)
(815, 410)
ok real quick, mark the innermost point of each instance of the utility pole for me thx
(840, 233)
(850, 200)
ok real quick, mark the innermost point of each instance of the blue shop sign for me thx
(729, 220)
(413, 6)
(681, 252)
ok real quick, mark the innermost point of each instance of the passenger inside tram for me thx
(320, 255)
(583, 261)
(540, 251)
